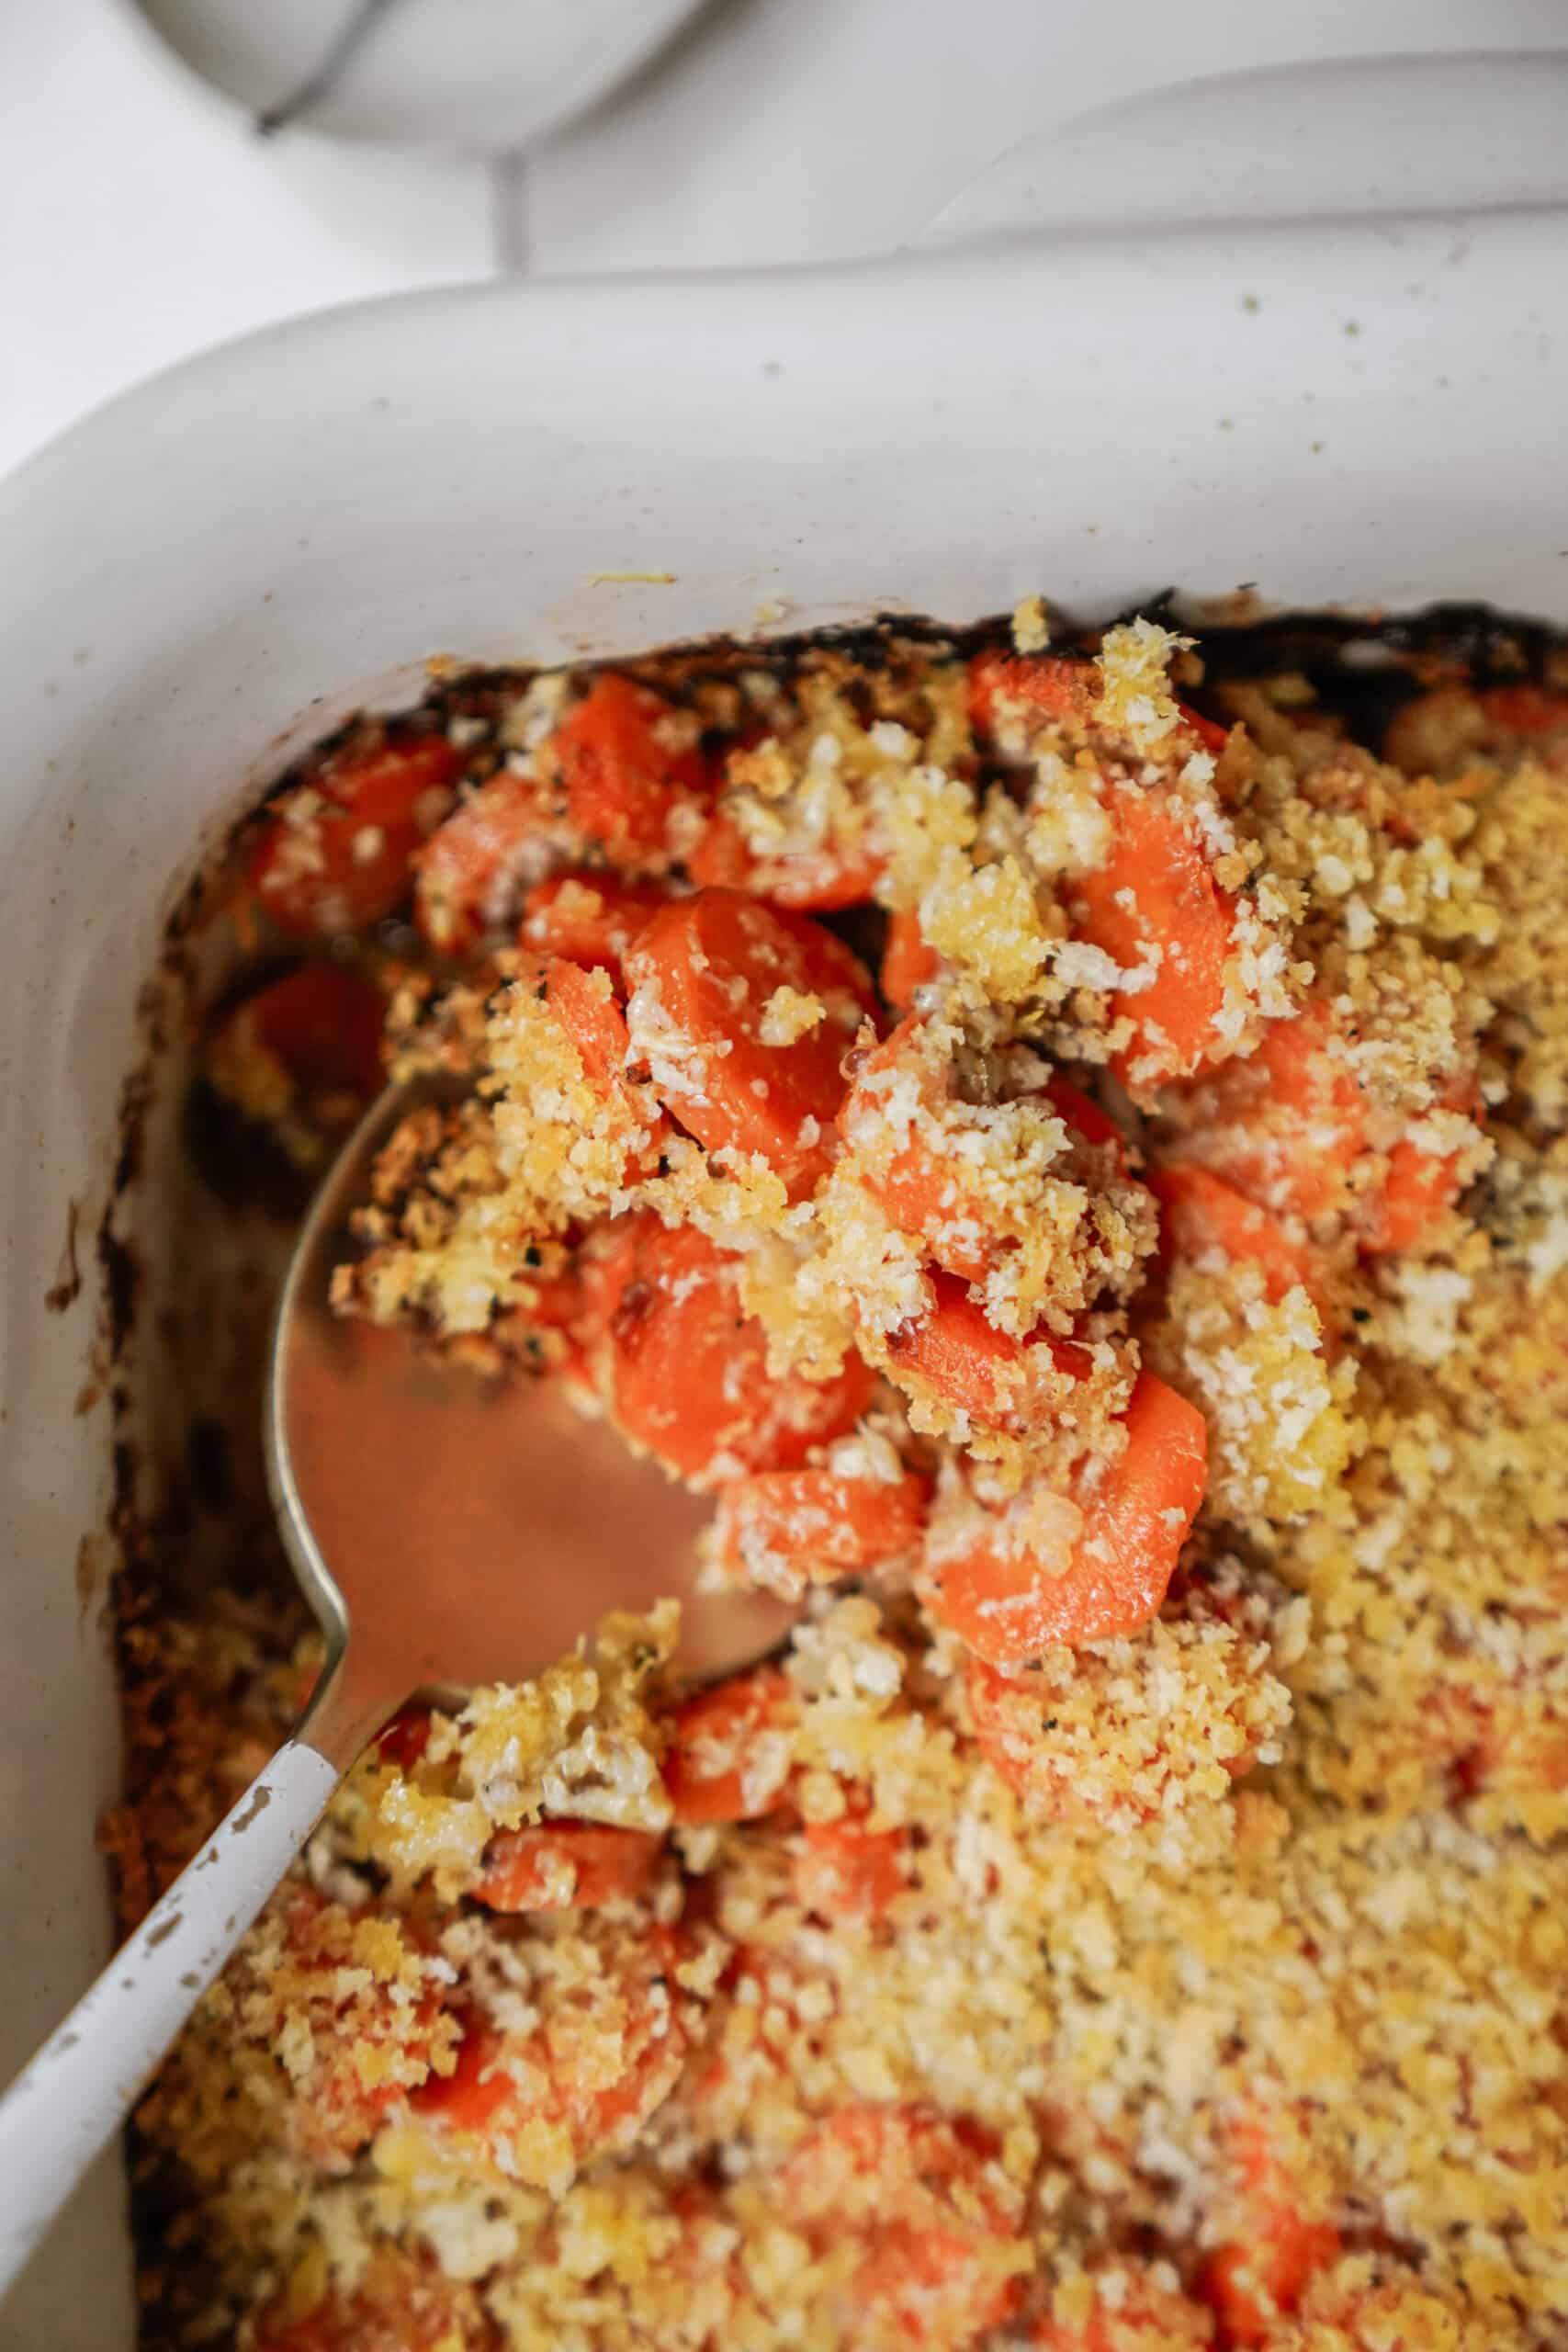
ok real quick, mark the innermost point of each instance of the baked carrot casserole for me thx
(1064, 1142)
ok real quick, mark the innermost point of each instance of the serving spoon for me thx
(448, 1531)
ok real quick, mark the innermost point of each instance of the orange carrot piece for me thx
(485, 2104)
(1311, 1123)
(1052, 685)
(1526, 710)
(1211, 736)
(952, 1354)
(731, 1749)
(591, 1017)
(324, 1024)
(815, 882)
(565, 1866)
(622, 782)
(934, 2223)
(820, 1524)
(1010, 1720)
(1009, 1604)
(1203, 1213)
(588, 1013)
(335, 855)
(926, 1187)
(587, 917)
(921, 1189)
(1059, 686)
(503, 2083)
(684, 1372)
(842, 1870)
(704, 974)
(1262, 2276)
(721, 860)
(405, 1739)
(1085, 1118)
(468, 874)
(1291, 1127)
(1156, 893)
(907, 961)
(1418, 1189)
(479, 2093)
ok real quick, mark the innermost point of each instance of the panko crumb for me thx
(920, 1998)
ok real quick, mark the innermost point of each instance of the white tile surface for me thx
(143, 221)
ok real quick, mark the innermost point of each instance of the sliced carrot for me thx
(1155, 899)
(707, 975)
(685, 1370)
(1419, 1186)
(816, 881)
(565, 1866)
(1008, 1717)
(468, 874)
(784, 1525)
(405, 1739)
(1301, 1121)
(324, 1026)
(1085, 1118)
(844, 1868)
(333, 854)
(908, 962)
(1142, 2314)
(486, 2102)
(731, 1748)
(1051, 685)
(908, 1135)
(1526, 710)
(1262, 2277)
(504, 2083)
(556, 1300)
(1008, 1601)
(920, 1188)
(721, 861)
(1289, 1128)
(1211, 735)
(1203, 1213)
(1058, 687)
(935, 2225)
(479, 2091)
(626, 771)
(588, 1013)
(587, 917)
(309, 1040)
(584, 1004)
(952, 1356)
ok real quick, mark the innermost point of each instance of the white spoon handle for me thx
(69, 2099)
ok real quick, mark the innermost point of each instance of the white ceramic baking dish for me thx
(1367, 410)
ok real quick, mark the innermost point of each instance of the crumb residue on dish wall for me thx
(66, 1287)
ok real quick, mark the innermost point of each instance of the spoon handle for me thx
(69, 2099)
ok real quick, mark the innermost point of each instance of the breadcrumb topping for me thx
(1199, 1984)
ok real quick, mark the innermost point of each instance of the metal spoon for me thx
(446, 1531)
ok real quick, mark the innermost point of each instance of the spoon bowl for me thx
(449, 1528)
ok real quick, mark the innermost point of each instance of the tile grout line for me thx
(509, 214)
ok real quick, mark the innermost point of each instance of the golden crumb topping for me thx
(1066, 1145)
